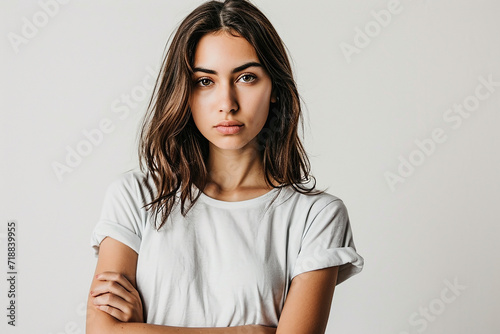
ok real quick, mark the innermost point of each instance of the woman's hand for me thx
(115, 295)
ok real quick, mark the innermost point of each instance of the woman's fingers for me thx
(110, 300)
(115, 295)
(119, 308)
(119, 278)
(114, 312)
(114, 305)
(112, 287)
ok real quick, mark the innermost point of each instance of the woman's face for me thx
(229, 85)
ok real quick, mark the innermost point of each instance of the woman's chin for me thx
(232, 144)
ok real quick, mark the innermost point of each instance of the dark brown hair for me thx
(171, 147)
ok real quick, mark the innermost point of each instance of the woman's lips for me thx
(229, 130)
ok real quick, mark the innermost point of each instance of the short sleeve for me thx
(327, 242)
(121, 215)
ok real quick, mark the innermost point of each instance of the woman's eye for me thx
(247, 78)
(204, 82)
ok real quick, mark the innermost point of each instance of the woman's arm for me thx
(131, 327)
(116, 257)
(307, 305)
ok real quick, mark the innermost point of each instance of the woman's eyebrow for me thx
(235, 70)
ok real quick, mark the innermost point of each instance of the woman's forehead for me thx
(223, 50)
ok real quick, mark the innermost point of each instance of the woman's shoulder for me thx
(317, 198)
(321, 207)
(134, 184)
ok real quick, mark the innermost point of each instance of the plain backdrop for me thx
(400, 122)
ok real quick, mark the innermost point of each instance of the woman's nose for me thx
(227, 99)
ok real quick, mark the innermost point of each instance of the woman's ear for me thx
(273, 97)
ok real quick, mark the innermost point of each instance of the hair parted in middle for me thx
(171, 148)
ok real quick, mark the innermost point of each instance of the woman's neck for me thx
(235, 175)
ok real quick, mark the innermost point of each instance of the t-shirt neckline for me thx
(237, 204)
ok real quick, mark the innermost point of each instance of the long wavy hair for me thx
(171, 148)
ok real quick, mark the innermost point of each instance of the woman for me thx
(219, 231)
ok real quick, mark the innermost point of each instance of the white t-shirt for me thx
(226, 263)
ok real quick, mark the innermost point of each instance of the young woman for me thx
(219, 232)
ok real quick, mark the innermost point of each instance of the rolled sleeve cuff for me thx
(347, 258)
(118, 232)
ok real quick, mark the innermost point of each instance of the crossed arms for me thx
(114, 305)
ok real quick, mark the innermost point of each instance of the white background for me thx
(363, 113)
